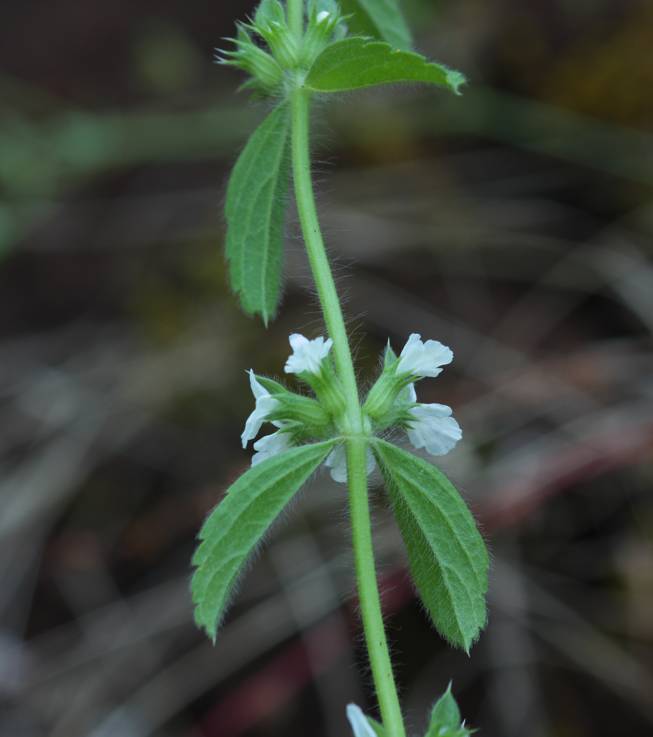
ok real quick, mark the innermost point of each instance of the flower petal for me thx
(423, 358)
(336, 461)
(271, 445)
(307, 354)
(258, 390)
(359, 722)
(265, 404)
(407, 395)
(433, 428)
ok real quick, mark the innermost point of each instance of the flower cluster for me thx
(392, 402)
(298, 417)
(284, 51)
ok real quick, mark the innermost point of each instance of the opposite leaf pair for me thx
(448, 560)
(258, 188)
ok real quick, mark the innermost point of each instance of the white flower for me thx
(423, 359)
(336, 461)
(323, 15)
(265, 404)
(432, 427)
(359, 723)
(407, 395)
(271, 445)
(307, 354)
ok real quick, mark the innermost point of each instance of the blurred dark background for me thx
(514, 224)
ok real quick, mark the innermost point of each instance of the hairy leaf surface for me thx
(255, 212)
(235, 527)
(448, 558)
(382, 19)
(354, 63)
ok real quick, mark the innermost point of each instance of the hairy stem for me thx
(368, 590)
(320, 267)
(357, 443)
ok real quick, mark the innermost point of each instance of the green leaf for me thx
(445, 718)
(382, 19)
(448, 558)
(235, 527)
(445, 711)
(354, 63)
(255, 211)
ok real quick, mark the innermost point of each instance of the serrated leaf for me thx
(354, 63)
(255, 212)
(235, 527)
(448, 558)
(382, 19)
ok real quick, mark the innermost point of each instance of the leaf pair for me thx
(447, 555)
(258, 188)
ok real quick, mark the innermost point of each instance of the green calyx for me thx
(266, 75)
(273, 70)
(445, 718)
(388, 401)
(303, 417)
(271, 25)
(328, 390)
(325, 24)
(306, 416)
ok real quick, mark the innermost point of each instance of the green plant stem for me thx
(368, 590)
(317, 257)
(357, 442)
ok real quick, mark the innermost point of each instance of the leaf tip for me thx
(456, 80)
(210, 627)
